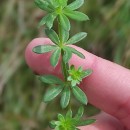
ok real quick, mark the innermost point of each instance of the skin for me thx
(108, 88)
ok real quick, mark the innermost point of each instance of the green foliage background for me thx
(20, 92)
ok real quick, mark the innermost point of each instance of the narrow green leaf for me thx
(43, 4)
(51, 79)
(75, 5)
(77, 52)
(52, 124)
(79, 113)
(86, 122)
(69, 114)
(79, 95)
(61, 117)
(63, 3)
(44, 48)
(58, 123)
(50, 20)
(67, 54)
(64, 21)
(53, 4)
(76, 15)
(76, 38)
(74, 82)
(52, 93)
(59, 127)
(52, 35)
(43, 20)
(55, 57)
(72, 127)
(65, 98)
(87, 73)
(65, 35)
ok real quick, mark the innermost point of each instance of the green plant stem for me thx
(64, 66)
(60, 33)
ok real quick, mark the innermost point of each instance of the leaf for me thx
(52, 124)
(67, 54)
(72, 127)
(61, 117)
(76, 38)
(86, 122)
(59, 127)
(51, 79)
(52, 35)
(79, 95)
(79, 113)
(50, 20)
(52, 4)
(74, 82)
(87, 73)
(52, 93)
(76, 15)
(77, 52)
(63, 3)
(65, 35)
(55, 57)
(69, 114)
(44, 48)
(65, 97)
(43, 20)
(75, 5)
(64, 21)
(42, 4)
(58, 123)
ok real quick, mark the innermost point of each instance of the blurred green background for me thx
(20, 91)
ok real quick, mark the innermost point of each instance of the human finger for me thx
(104, 122)
(107, 88)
